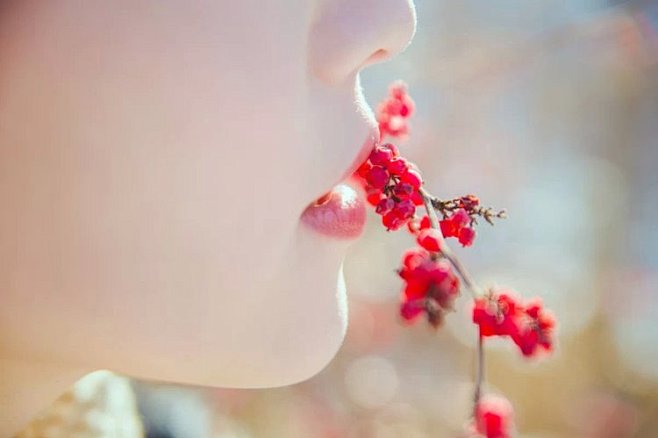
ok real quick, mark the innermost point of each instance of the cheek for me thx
(159, 180)
(203, 137)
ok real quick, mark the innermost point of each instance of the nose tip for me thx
(348, 35)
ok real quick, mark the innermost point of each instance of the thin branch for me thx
(479, 378)
(470, 283)
(445, 249)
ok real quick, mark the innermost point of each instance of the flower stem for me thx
(479, 377)
(470, 284)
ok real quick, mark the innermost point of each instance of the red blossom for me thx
(403, 190)
(535, 333)
(497, 314)
(397, 166)
(417, 198)
(377, 177)
(391, 184)
(466, 236)
(458, 225)
(430, 286)
(381, 156)
(412, 177)
(392, 113)
(384, 206)
(430, 239)
(493, 417)
(374, 196)
(529, 325)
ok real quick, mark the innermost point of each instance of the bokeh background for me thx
(550, 109)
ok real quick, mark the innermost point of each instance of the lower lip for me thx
(341, 214)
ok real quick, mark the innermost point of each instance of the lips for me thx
(340, 214)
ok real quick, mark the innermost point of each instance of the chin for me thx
(302, 343)
(316, 340)
(273, 330)
(287, 342)
(300, 346)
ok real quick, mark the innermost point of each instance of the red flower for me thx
(535, 332)
(384, 206)
(398, 166)
(391, 184)
(392, 113)
(374, 196)
(430, 286)
(458, 225)
(430, 239)
(529, 325)
(413, 178)
(493, 417)
(497, 314)
(380, 156)
(466, 236)
(377, 177)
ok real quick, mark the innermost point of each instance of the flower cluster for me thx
(458, 224)
(432, 273)
(391, 184)
(394, 112)
(529, 325)
(431, 286)
(493, 417)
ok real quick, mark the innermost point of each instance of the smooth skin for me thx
(155, 158)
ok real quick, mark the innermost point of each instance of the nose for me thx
(348, 35)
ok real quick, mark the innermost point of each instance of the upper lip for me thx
(363, 153)
(373, 134)
(367, 146)
(372, 138)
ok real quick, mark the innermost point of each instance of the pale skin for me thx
(155, 157)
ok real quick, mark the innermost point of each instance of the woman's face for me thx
(156, 161)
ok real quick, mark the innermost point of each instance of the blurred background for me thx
(550, 109)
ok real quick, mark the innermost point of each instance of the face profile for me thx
(173, 181)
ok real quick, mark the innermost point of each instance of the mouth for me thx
(341, 213)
